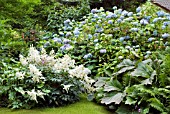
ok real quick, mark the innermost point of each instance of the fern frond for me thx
(156, 103)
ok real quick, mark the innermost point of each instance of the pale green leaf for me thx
(130, 101)
(117, 98)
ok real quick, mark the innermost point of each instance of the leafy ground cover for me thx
(82, 107)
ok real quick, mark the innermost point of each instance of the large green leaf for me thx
(125, 63)
(117, 99)
(113, 85)
(130, 101)
(142, 70)
(124, 70)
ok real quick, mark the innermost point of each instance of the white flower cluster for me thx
(37, 58)
(81, 72)
(20, 75)
(33, 94)
(64, 64)
(36, 74)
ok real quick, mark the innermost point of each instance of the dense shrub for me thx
(61, 12)
(40, 79)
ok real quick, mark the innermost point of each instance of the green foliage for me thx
(59, 13)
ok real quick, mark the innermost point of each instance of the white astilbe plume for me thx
(64, 64)
(79, 72)
(37, 75)
(34, 55)
(23, 60)
(20, 75)
(66, 87)
(33, 94)
(40, 94)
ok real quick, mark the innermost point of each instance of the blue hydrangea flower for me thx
(110, 21)
(121, 17)
(124, 13)
(155, 20)
(119, 11)
(155, 32)
(76, 31)
(103, 15)
(103, 51)
(66, 22)
(138, 9)
(99, 21)
(119, 20)
(89, 55)
(47, 44)
(66, 41)
(96, 16)
(65, 47)
(96, 34)
(127, 37)
(57, 40)
(89, 36)
(130, 14)
(93, 20)
(111, 15)
(166, 23)
(148, 17)
(99, 30)
(68, 34)
(151, 39)
(165, 35)
(97, 26)
(94, 11)
(160, 13)
(122, 39)
(143, 22)
(134, 29)
(96, 40)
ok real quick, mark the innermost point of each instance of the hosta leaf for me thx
(124, 70)
(117, 98)
(143, 70)
(149, 80)
(125, 63)
(147, 61)
(100, 82)
(130, 101)
(110, 88)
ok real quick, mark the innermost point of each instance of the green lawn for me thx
(82, 107)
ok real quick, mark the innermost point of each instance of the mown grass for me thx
(81, 107)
